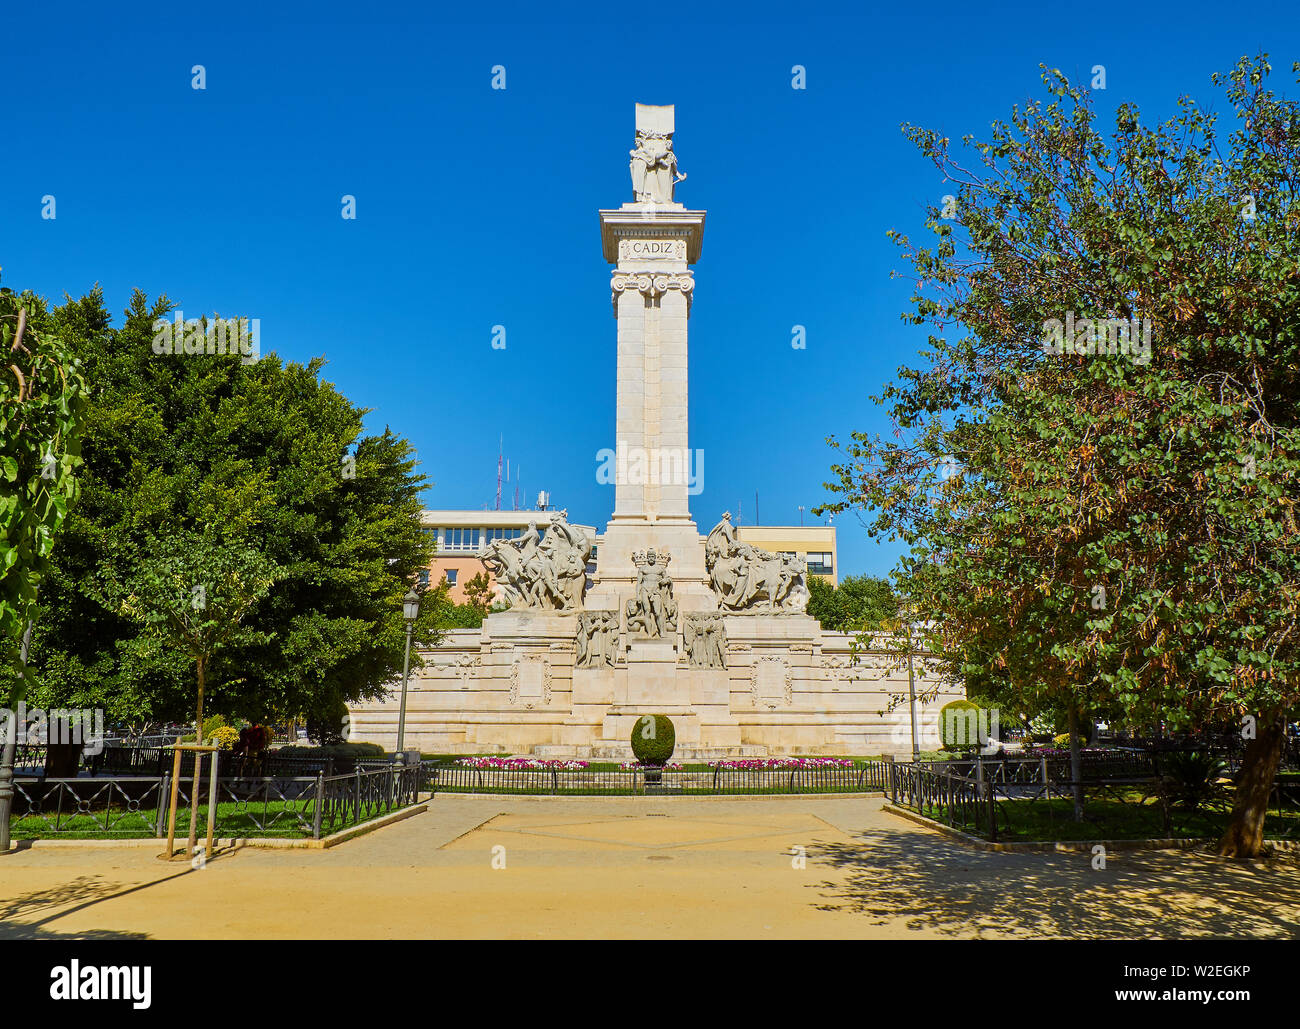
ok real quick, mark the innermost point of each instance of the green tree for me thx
(1113, 530)
(42, 404)
(268, 455)
(478, 592)
(858, 602)
(193, 598)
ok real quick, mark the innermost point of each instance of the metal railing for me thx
(867, 777)
(247, 806)
(132, 806)
(945, 795)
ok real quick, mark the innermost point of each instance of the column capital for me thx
(651, 284)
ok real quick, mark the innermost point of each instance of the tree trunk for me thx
(1245, 835)
(198, 765)
(1076, 763)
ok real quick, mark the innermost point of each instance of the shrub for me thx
(959, 725)
(210, 725)
(1190, 780)
(653, 739)
(1062, 742)
(224, 737)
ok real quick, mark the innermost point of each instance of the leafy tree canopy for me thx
(858, 602)
(1101, 517)
(264, 456)
(42, 404)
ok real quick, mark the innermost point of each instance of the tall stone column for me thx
(652, 243)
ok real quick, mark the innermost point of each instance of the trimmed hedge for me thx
(653, 741)
(957, 730)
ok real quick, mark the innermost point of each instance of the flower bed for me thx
(514, 763)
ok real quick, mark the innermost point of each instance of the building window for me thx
(820, 564)
(490, 535)
(450, 573)
(424, 578)
(461, 540)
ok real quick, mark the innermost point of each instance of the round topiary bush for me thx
(653, 739)
(959, 725)
(224, 737)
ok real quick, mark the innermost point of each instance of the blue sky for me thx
(477, 207)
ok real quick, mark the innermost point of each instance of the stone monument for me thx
(708, 630)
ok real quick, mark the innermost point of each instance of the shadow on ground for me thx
(935, 885)
(20, 916)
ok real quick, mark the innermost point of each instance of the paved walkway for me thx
(642, 868)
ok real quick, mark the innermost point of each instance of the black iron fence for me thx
(968, 794)
(973, 795)
(870, 776)
(945, 795)
(129, 806)
(1094, 767)
(247, 806)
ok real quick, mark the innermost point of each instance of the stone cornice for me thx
(635, 221)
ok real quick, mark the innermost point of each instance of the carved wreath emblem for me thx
(533, 702)
(755, 675)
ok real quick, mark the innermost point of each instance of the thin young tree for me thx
(193, 595)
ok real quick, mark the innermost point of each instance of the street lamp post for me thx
(410, 611)
(911, 690)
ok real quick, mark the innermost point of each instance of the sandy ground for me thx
(642, 868)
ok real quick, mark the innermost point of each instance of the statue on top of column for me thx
(654, 165)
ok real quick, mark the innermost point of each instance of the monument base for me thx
(788, 688)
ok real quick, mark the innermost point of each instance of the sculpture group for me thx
(597, 642)
(653, 610)
(705, 640)
(550, 573)
(743, 576)
(542, 573)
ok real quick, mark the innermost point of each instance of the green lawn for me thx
(233, 819)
